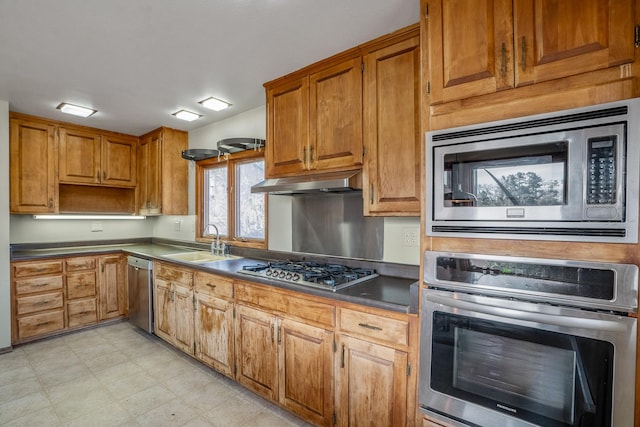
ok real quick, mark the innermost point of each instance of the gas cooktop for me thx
(317, 275)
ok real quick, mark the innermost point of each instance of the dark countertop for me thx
(391, 290)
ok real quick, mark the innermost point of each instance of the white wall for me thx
(5, 289)
(25, 229)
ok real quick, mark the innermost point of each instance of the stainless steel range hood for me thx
(327, 182)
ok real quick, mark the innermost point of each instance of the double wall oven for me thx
(514, 341)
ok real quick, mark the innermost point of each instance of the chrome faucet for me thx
(216, 248)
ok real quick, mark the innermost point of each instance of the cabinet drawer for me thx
(40, 302)
(171, 274)
(213, 285)
(79, 264)
(287, 303)
(81, 312)
(36, 268)
(81, 285)
(38, 284)
(40, 324)
(380, 328)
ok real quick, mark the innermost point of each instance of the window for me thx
(224, 199)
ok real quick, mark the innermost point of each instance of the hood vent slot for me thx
(328, 182)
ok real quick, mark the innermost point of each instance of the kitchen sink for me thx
(200, 256)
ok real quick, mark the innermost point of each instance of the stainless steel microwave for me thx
(570, 175)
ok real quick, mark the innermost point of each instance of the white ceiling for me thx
(138, 61)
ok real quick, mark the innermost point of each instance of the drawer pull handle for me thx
(365, 325)
(212, 286)
(503, 60)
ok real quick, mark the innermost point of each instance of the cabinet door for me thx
(371, 384)
(214, 333)
(335, 116)
(555, 39)
(287, 128)
(163, 311)
(256, 356)
(79, 156)
(470, 48)
(306, 371)
(112, 298)
(33, 160)
(119, 155)
(150, 178)
(183, 303)
(392, 130)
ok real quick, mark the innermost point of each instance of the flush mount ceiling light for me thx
(186, 115)
(215, 104)
(76, 110)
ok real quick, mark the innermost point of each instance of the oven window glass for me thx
(546, 378)
(532, 175)
(527, 375)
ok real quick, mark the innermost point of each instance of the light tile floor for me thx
(117, 375)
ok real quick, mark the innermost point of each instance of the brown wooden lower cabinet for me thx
(174, 306)
(371, 384)
(213, 322)
(81, 291)
(287, 362)
(113, 293)
(53, 295)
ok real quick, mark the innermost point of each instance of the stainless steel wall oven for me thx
(567, 175)
(513, 341)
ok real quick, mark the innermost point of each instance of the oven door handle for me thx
(550, 319)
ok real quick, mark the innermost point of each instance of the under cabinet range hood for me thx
(327, 182)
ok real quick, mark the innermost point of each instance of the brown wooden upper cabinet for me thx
(314, 119)
(359, 109)
(392, 128)
(162, 173)
(91, 158)
(478, 47)
(32, 166)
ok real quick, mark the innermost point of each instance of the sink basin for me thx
(200, 256)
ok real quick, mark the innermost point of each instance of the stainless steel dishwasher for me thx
(140, 273)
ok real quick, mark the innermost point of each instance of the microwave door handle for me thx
(549, 319)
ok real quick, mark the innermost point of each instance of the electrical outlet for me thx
(96, 226)
(410, 237)
(177, 225)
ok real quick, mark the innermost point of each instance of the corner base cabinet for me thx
(51, 296)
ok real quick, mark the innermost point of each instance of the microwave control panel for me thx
(602, 174)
